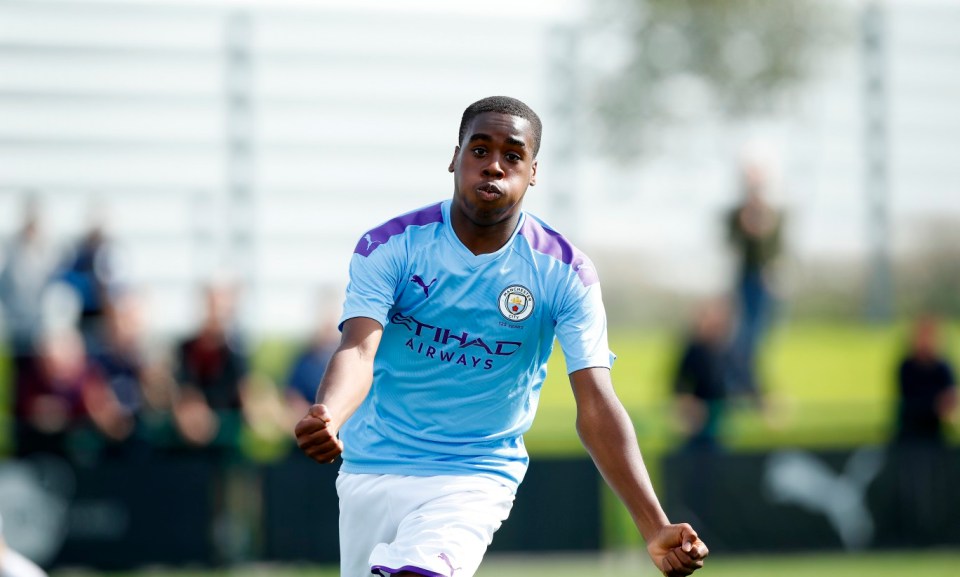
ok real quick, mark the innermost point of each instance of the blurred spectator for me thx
(754, 228)
(310, 364)
(214, 387)
(926, 387)
(115, 394)
(211, 373)
(52, 407)
(24, 275)
(89, 270)
(13, 564)
(700, 379)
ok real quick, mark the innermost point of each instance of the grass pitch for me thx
(895, 564)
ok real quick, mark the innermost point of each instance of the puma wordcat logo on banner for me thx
(799, 478)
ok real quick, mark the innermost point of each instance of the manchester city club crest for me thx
(516, 303)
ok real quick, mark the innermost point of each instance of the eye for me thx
(513, 157)
(478, 151)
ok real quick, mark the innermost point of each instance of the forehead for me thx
(500, 127)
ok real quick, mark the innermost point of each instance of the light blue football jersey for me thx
(465, 344)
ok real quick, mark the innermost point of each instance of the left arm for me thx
(608, 435)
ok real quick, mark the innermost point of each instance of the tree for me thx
(672, 61)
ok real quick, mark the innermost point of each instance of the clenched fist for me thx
(677, 550)
(317, 435)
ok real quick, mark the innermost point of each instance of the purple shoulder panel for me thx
(393, 227)
(551, 243)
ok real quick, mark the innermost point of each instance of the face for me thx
(492, 169)
(926, 338)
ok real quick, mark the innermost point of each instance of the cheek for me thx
(524, 176)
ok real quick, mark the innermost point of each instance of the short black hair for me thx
(502, 105)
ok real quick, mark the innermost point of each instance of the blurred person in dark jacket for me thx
(215, 397)
(755, 232)
(90, 270)
(115, 394)
(926, 387)
(211, 373)
(53, 406)
(700, 377)
(926, 399)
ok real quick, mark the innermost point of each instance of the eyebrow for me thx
(487, 138)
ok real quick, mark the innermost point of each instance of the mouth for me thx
(489, 191)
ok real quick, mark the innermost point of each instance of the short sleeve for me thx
(581, 327)
(374, 279)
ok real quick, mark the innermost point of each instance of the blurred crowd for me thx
(88, 385)
(719, 356)
(718, 361)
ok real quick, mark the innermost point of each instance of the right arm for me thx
(344, 386)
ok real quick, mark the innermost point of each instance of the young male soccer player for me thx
(450, 316)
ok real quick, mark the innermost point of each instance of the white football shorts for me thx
(434, 526)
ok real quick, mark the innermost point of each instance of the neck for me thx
(483, 239)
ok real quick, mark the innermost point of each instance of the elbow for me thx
(612, 422)
(589, 429)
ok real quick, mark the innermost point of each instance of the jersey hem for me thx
(504, 479)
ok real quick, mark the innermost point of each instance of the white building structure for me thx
(260, 139)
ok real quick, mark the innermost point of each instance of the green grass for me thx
(894, 564)
(934, 564)
(937, 564)
(827, 384)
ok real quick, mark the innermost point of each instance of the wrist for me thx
(650, 527)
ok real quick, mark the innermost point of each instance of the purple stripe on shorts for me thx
(409, 568)
(552, 243)
(382, 233)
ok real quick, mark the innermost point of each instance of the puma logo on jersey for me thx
(370, 242)
(426, 287)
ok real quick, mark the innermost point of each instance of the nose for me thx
(492, 168)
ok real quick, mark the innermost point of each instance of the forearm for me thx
(608, 435)
(346, 383)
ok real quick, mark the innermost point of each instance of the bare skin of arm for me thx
(608, 435)
(344, 386)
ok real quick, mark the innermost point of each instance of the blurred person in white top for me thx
(26, 268)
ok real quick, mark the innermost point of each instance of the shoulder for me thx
(544, 240)
(400, 225)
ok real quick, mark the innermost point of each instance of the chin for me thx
(491, 218)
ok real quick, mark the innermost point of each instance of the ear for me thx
(456, 151)
(533, 173)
